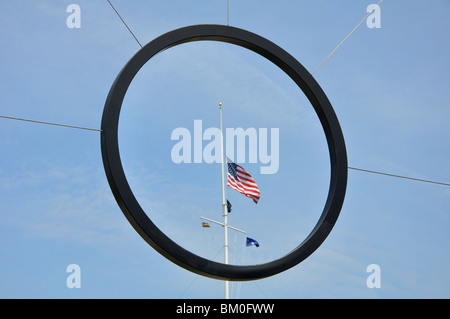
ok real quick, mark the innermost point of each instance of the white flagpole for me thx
(224, 202)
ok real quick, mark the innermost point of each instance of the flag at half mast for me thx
(242, 181)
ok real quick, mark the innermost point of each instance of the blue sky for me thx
(388, 87)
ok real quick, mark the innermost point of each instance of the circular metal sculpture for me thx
(136, 215)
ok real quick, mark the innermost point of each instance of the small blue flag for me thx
(252, 242)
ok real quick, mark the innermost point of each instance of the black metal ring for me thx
(136, 215)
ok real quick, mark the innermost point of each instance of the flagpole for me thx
(224, 202)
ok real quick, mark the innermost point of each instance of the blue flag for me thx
(252, 242)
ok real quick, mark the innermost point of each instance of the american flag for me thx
(242, 181)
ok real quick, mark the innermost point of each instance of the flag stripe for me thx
(245, 192)
(239, 189)
(250, 187)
